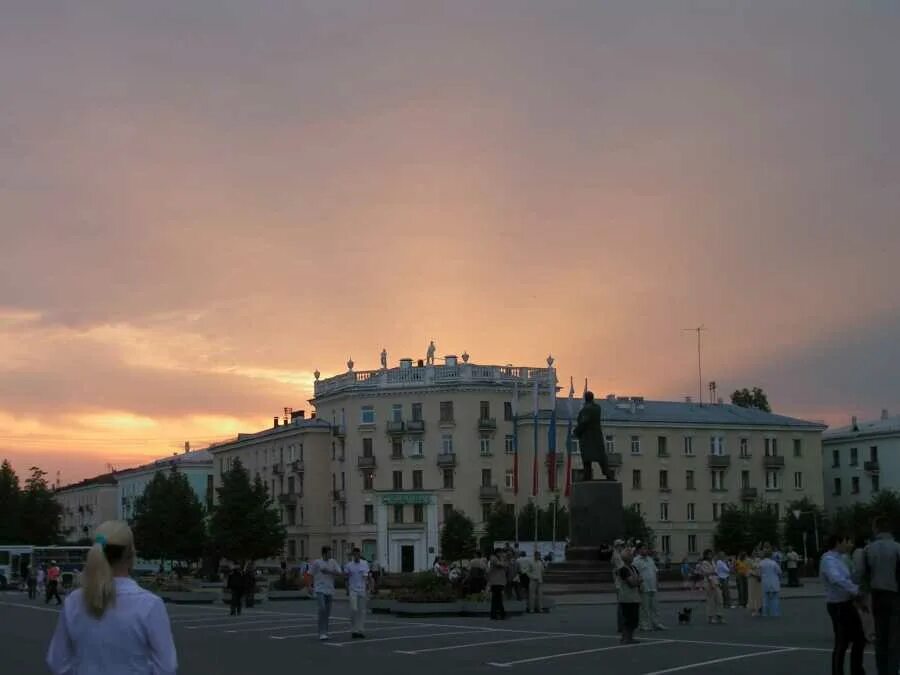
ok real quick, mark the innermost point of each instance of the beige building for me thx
(85, 505)
(391, 451)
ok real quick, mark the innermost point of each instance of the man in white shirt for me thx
(535, 572)
(358, 578)
(646, 566)
(324, 570)
(723, 572)
(792, 563)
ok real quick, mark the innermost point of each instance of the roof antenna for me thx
(698, 330)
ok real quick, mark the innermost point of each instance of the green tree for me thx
(636, 527)
(10, 505)
(169, 522)
(755, 398)
(800, 531)
(245, 526)
(732, 533)
(458, 537)
(500, 525)
(762, 526)
(40, 512)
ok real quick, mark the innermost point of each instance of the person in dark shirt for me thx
(629, 596)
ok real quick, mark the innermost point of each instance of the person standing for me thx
(754, 586)
(792, 563)
(629, 597)
(617, 563)
(646, 567)
(723, 571)
(53, 575)
(31, 582)
(840, 594)
(536, 584)
(707, 569)
(686, 571)
(42, 580)
(496, 578)
(741, 572)
(110, 624)
(523, 567)
(358, 586)
(882, 569)
(250, 585)
(324, 570)
(236, 586)
(770, 577)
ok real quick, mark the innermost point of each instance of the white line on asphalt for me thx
(750, 645)
(411, 636)
(270, 627)
(477, 644)
(308, 625)
(233, 624)
(37, 607)
(714, 661)
(507, 664)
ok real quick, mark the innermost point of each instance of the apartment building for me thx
(195, 465)
(85, 505)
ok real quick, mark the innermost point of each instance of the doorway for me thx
(407, 558)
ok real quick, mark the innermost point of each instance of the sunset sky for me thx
(202, 202)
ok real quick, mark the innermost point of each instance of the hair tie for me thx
(100, 539)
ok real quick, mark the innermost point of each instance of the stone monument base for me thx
(596, 519)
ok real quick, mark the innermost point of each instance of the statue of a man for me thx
(429, 355)
(589, 432)
(384, 358)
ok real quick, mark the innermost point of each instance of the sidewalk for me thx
(811, 588)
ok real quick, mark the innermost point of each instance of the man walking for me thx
(236, 586)
(536, 584)
(358, 586)
(882, 567)
(840, 593)
(324, 570)
(724, 574)
(53, 575)
(646, 567)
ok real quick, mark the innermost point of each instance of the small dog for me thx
(684, 616)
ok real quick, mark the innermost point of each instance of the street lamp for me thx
(797, 514)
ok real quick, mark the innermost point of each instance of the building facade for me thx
(197, 466)
(861, 459)
(392, 451)
(86, 505)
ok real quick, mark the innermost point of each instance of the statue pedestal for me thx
(597, 519)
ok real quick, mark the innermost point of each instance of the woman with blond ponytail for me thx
(112, 625)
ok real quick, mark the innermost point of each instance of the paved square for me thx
(282, 638)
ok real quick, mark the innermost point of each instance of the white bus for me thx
(14, 560)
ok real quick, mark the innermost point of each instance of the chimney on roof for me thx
(187, 447)
(275, 421)
(884, 414)
(854, 424)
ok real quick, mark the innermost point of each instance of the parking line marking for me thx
(749, 645)
(508, 664)
(477, 644)
(723, 660)
(38, 608)
(237, 624)
(411, 636)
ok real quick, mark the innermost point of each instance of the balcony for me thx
(395, 427)
(366, 462)
(749, 494)
(415, 426)
(446, 460)
(297, 466)
(871, 466)
(718, 461)
(338, 430)
(278, 469)
(614, 458)
(488, 492)
(487, 424)
(773, 461)
(288, 499)
(338, 495)
(446, 423)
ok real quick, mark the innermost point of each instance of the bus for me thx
(15, 560)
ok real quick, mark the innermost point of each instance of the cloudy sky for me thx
(202, 202)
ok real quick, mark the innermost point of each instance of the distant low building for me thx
(860, 459)
(85, 505)
(196, 466)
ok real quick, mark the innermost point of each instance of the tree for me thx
(732, 533)
(636, 527)
(745, 398)
(500, 524)
(458, 537)
(10, 505)
(856, 520)
(244, 525)
(800, 531)
(40, 512)
(762, 526)
(169, 522)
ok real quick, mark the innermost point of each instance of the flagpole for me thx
(535, 478)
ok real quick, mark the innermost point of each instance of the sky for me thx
(203, 202)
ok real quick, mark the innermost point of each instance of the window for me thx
(396, 448)
(664, 511)
(290, 485)
(398, 513)
(485, 512)
(367, 415)
(576, 447)
(446, 411)
(334, 515)
(333, 450)
(798, 480)
(292, 548)
(417, 479)
(854, 457)
(484, 410)
(771, 447)
(636, 479)
(368, 447)
(610, 443)
(398, 480)
(417, 412)
(300, 484)
(447, 444)
(665, 543)
(854, 485)
(836, 458)
(745, 447)
(718, 479)
(509, 479)
(368, 480)
(509, 445)
(397, 412)
(876, 483)
(418, 513)
(486, 478)
(717, 445)
(663, 479)
(448, 479)
(745, 479)
(690, 512)
(448, 509)
(717, 511)
(301, 523)
(291, 513)
(635, 445)
(772, 481)
(369, 514)
(418, 448)
(507, 411)
(662, 447)
(873, 453)
(637, 508)
(688, 445)
(798, 447)
(692, 543)
(689, 479)
(343, 481)
(485, 445)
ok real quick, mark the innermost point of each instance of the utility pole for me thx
(698, 330)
